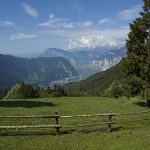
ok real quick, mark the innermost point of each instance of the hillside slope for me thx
(37, 71)
(95, 84)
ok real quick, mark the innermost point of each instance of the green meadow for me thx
(125, 136)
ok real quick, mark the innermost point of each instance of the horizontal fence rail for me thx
(104, 114)
(30, 117)
(134, 113)
(28, 126)
(73, 116)
(57, 126)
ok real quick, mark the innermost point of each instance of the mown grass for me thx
(129, 136)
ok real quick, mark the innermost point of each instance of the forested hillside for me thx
(95, 84)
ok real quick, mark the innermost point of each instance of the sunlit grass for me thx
(130, 136)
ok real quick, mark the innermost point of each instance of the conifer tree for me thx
(136, 66)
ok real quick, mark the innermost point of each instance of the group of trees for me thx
(22, 91)
(27, 91)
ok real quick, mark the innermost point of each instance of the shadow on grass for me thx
(27, 104)
(63, 132)
(67, 132)
(116, 129)
(142, 104)
(88, 131)
(26, 134)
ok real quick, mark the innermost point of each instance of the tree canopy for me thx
(136, 66)
(21, 91)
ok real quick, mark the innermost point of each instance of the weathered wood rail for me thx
(57, 126)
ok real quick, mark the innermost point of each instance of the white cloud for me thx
(7, 23)
(67, 25)
(123, 15)
(131, 13)
(29, 10)
(87, 37)
(92, 42)
(64, 23)
(56, 22)
(20, 36)
(104, 20)
(84, 24)
(112, 33)
(103, 38)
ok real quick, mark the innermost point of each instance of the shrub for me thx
(58, 91)
(43, 92)
(114, 90)
(21, 91)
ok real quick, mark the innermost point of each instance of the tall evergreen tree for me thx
(136, 66)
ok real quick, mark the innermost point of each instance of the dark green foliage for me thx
(3, 92)
(136, 67)
(36, 71)
(94, 85)
(22, 91)
(134, 86)
(75, 92)
(114, 90)
(27, 91)
(42, 92)
(58, 91)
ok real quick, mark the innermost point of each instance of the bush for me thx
(44, 92)
(22, 91)
(58, 91)
(114, 90)
(134, 87)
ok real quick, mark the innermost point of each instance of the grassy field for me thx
(129, 136)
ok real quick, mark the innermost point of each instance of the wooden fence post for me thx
(57, 123)
(110, 122)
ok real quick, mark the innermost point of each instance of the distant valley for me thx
(36, 71)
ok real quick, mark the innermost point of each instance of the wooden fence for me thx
(57, 117)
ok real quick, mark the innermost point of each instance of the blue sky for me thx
(30, 26)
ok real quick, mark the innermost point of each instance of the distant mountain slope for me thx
(37, 71)
(96, 83)
(89, 61)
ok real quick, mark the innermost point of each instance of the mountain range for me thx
(58, 66)
(89, 61)
(36, 71)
